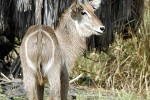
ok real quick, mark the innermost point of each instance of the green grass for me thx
(125, 66)
(118, 95)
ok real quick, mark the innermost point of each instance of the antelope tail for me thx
(39, 58)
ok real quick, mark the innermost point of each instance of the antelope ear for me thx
(96, 3)
(77, 6)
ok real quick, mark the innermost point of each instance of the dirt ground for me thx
(13, 90)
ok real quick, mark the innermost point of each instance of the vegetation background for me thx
(123, 70)
(120, 73)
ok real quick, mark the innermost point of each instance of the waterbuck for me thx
(47, 54)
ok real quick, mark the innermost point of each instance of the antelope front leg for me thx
(64, 83)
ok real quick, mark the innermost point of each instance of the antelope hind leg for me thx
(30, 86)
(54, 82)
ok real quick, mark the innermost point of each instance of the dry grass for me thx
(126, 65)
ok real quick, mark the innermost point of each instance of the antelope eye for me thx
(83, 13)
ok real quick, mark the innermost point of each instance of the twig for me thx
(85, 71)
(91, 59)
(77, 78)
(5, 77)
(16, 51)
(10, 82)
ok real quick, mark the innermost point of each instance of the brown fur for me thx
(47, 54)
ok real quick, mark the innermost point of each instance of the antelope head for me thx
(86, 22)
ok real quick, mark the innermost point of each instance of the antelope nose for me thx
(102, 28)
